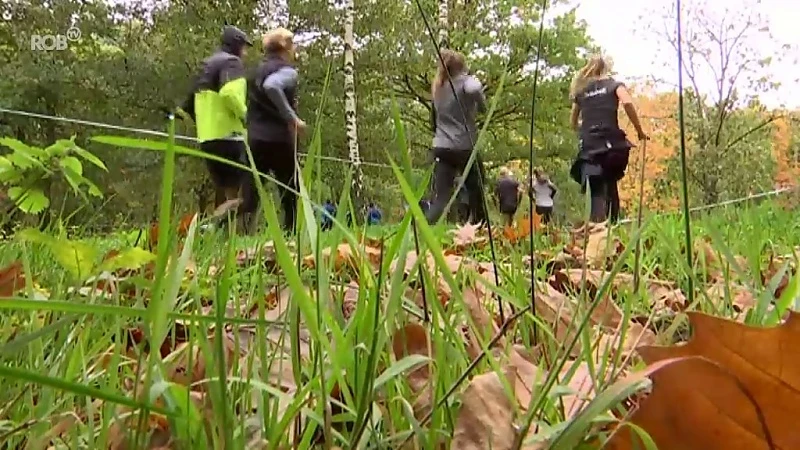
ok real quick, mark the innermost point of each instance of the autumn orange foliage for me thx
(182, 229)
(658, 114)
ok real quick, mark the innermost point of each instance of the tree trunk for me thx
(444, 24)
(350, 100)
(272, 14)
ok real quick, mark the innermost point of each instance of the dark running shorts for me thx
(508, 208)
(224, 175)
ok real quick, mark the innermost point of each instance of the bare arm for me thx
(553, 189)
(627, 103)
(573, 120)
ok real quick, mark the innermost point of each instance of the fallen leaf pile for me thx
(488, 418)
(730, 387)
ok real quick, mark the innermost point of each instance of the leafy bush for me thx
(28, 169)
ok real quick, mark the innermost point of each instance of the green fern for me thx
(26, 170)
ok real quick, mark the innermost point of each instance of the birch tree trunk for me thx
(444, 41)
(272, 14)
(350, 99)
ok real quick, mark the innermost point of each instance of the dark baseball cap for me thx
(234, 36)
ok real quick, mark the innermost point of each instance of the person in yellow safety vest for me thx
(218, 105)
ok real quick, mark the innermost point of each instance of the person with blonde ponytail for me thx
(455, 134)
(604, 148)
(273, 124)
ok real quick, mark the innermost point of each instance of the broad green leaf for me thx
(61, 147)
(31, 200)
(73, 179)
(76, 257)
(22, 160)
(7, 170)
(92, 188)
(31, 152)
(89, 157)
(72, 163)
(130, 259)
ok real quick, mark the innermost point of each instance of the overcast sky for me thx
(622, 31)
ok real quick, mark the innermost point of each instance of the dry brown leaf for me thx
(12, 280)
(229, 206)
(442, 289)
(412, 339)
(177, 363)
(715, 267)
(741, 299)
(350, 299)
(666, 299)
(64, 424)
(122, 430)
(487, 416)
(276, 304)
(475, 303)
(560, 311)
(182, 229)
(636, 335)
(345, 257)
(718, 390)
(663, 294)
(772, 270)
(582, 385)
(467, 236)
(600, 248)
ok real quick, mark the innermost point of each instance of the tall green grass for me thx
(313, 373)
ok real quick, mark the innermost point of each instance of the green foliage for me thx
(733, 162)
(27, 169)
(81, 259)
(133, 59)
(794, 140)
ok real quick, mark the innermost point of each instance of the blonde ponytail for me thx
(596, 68)
(454, 63)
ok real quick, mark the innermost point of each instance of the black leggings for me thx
(546, 212)
(449, 163)
(279, 159)
(605, 199)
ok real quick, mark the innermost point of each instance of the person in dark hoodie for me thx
(604, 148)
(328, 213)
(455, 135)
(273, 124)
(374, 214)
(507, 194)
(217, 104)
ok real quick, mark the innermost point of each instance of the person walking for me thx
(604, 149)
(507, 195)
(374, 214)
(328, 213)
(455, 135)
(217, 105)
(544, 193)
(273, 125)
